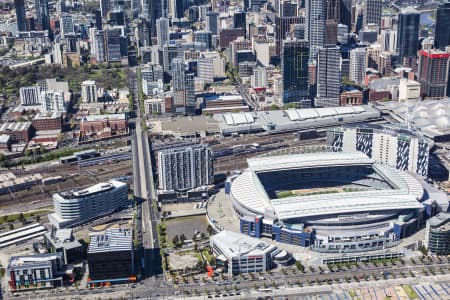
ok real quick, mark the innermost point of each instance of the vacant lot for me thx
(186, 225)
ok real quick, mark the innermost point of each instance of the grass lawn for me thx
(15, 217)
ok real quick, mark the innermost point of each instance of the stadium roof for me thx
(249, 192)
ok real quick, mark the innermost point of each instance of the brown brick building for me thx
(51, 121)
(19, 131)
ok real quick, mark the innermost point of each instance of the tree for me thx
(182, 238)
(21, 217)
(210, 230)
(274, 107)
(38, 218)
(11, 226)
(299, 266)
(176, 240)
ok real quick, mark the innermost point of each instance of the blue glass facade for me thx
(280, 233)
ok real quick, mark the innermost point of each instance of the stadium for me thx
(330, 201)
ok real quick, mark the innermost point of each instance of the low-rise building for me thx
(115, 123)
(352, 97)
(111, 256)
(5, 142)
(437, 234)
(19, 132)
(62, 241)
(10, 183)
(77, 207)
(35, 271)
(47, 121)
(239, 253)
(408, 90)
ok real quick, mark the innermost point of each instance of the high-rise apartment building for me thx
(372, 12)
(442, 32)
(30, 95)
(394, 146)
(116, 43)
(408, 33)
(183, 86)
(162, 31)
(294, 69)
(105, 7)
(328, 76)
(75, 207)
(88, 91)
(21, 17)
(98, 49)
(52, 101)
(357, 65)
(433, 73)
(316, 14)
(185, 168)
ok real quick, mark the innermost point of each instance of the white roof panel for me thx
(292, 114)
(308, 113)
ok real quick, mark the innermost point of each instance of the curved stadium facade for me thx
(329, 201)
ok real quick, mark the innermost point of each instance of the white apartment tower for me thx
(357, 65)
(88, 91)
(30, 95)
(162, 31)
(185, 168)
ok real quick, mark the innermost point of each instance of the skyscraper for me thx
(105, 7)
(442, 31)
(328, 76)
(333, 9)
(345, 13)
(212, 22)
(239, 18)
(294, 68)
(433, 73)
(408, 33)
(316, 14)
(283, 26)
(372, 12)
(20, 15)
(42, 14)
(357, 65)
(162, 31)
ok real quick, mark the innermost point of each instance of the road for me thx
(144, 191)
(289, 284)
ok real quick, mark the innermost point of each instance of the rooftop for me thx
(234, 244)
(294, 119)
(113, 239)
(17, 126)
(440, 219)
(32, 260)
(97, 118)
(97, 188)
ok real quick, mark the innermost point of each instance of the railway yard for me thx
(230, 153)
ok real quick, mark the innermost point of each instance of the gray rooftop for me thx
(113, 239)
